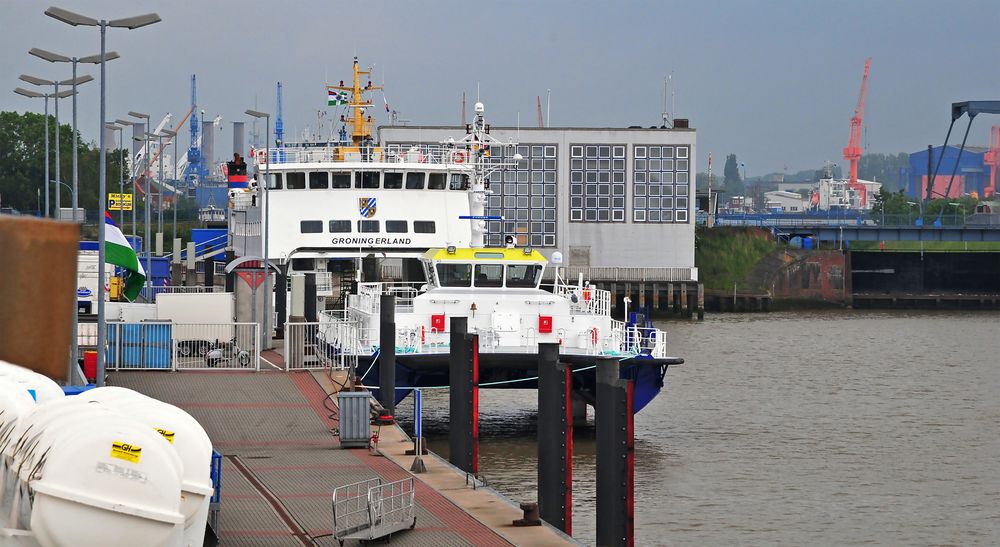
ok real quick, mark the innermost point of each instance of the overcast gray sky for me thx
(774, 82)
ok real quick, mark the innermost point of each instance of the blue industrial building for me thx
(973, 175)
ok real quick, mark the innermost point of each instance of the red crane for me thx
(853, 151)
(992, 159)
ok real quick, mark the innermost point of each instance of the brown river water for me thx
(792, 428)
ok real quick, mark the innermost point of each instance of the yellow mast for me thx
(361, 127)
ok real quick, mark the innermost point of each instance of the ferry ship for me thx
(355, 200)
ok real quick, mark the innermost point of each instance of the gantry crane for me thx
(852, 152)
(992, 159)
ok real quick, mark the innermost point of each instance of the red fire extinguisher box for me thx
(437, 323)
(544, 324)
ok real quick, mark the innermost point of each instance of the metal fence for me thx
(179, 289)
(156, 345)
(332, 344)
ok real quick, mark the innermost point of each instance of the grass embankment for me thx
(727, 255)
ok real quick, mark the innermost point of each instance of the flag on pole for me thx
(335, 97)
(117, 251)
(386, 103)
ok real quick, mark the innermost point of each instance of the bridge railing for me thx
(791, 220)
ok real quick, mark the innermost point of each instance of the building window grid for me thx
(597, 183)
(525, 196)
(661, 183)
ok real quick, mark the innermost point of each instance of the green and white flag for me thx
(117, 251)
(334, 97)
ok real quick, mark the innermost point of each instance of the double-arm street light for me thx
(262, 195)
(91, 59)
(55, 84)
(76, 19)
(35, 95)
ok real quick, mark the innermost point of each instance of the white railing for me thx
(328, 344)
(587, 301)
(633, 275)
(156, 345)
(180, 289)
(392, 153)
(368, 297)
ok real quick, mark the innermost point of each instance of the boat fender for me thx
(423, 335)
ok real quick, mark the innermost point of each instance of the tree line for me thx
(22, 164)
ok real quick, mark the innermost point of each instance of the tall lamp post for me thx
(121, 169)
(262, 188)
(145, 197)
(173, 137)
(57, 58)
(34, 95)
(130, 23)
(132, 171)
(55, 84)
(159, 191)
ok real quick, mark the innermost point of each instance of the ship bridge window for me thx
(395, 226)
(415, 181)
(424, 227)
(455, 275)
(523, 275)
(340, 179)
(489, 275)
(319, 180)
(311, 226)
(392, 181)
(459, 182)
(366, 179)
(275, 181)
(436, 181)
(368, 226)
(340, 226)
(295, 181)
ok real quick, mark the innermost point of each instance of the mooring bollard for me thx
(555, 438)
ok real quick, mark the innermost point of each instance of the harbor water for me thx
(834, 427)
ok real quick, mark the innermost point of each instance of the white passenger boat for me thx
(355, 199)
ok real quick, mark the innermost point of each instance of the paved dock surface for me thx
(281, 463)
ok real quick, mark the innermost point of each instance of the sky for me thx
(774, 82)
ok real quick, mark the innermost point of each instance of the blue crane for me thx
(279, 123)
(196, 169)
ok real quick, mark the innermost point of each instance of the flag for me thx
(386, 103)
(117, 251)
(335, 97)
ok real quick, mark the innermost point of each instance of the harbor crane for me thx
(992, 160)
(196, 169)
(852, 153)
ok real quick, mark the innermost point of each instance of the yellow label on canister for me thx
(168, 435)
(125, 451)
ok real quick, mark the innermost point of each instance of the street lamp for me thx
(132, 171)
(76, 19)
(57, 58)
(55, 84)
(267, 206)
(144, 138)
(121, 169)
(46, 96)
(173, 137)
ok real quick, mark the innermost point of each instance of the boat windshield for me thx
(489, 275)
(455, 275)
(523, 275)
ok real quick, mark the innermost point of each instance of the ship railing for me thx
(367, 300)
(631, 339)
(585, 301)
(337, 342)
(390, 153)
